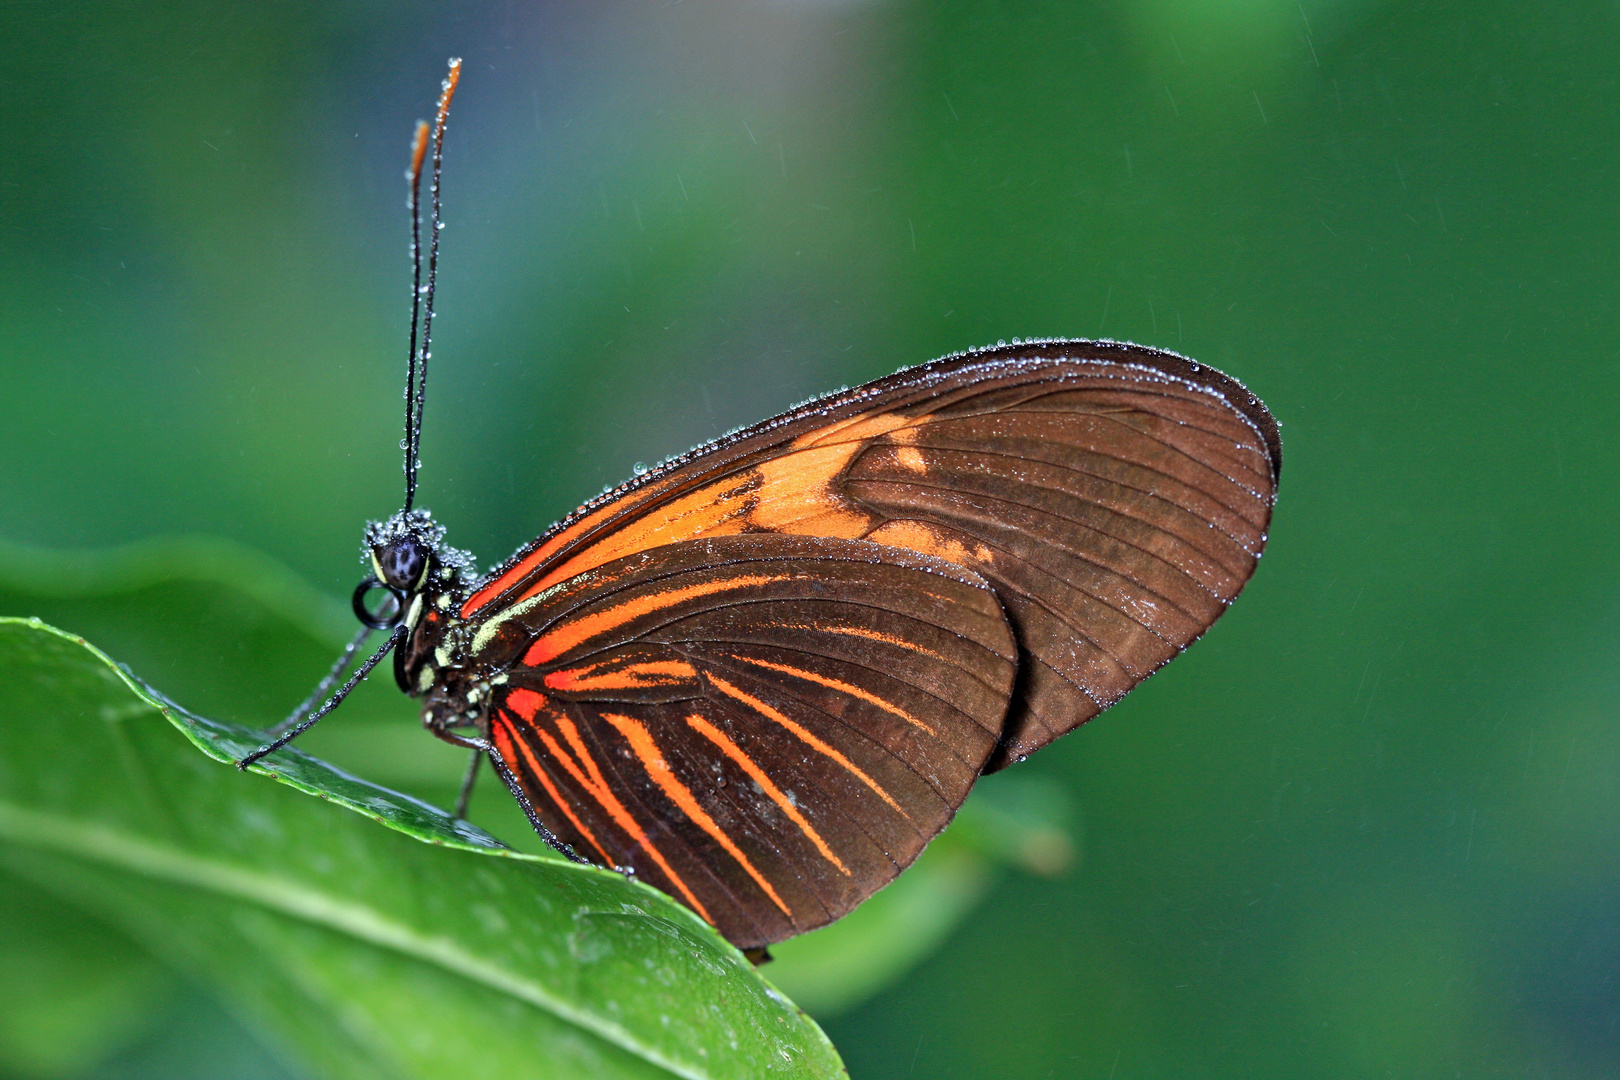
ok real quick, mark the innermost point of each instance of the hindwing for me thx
(768, 727)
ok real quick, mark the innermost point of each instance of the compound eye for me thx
(402, 563)
(390, 607)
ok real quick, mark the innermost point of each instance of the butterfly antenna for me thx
(422, 298)
(413, 176)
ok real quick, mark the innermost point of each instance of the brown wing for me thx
(1115, 497)
(769, 728)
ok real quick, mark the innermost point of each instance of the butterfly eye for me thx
(389, 606)
(401, 563)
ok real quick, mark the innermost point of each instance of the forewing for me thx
(768, 727)
(1115, 497)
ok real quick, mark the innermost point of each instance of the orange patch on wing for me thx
(795, 495)
(598, 677)
(760, 777)
(842, 687)
(906, 453)
(507, 743)
(791, 493)
(910, 458)
(572, 632)
(712, 510)
(796, 492)
(806, 737)
(927, 540)
(652, 759)
(597, 788)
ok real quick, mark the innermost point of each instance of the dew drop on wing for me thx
(639, 467)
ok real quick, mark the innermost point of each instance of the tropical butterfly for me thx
(763, 675)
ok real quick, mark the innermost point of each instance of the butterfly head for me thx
(409, 560)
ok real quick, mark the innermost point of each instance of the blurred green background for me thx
(1370, 827)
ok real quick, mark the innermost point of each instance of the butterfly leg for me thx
(325, 685)
(467, 784)
(481, 746)
(331, 703)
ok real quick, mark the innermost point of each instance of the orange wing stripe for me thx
(735, 753)
(805, 737)
(652, 759)
(574, 632)
(843, 687)
(598, 790)
(875, 635)
(507, 743)
(540, 555)
(628, 677)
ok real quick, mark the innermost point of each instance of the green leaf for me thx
(419, 949)
(234, 634)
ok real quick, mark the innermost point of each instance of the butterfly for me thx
(764, 674)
